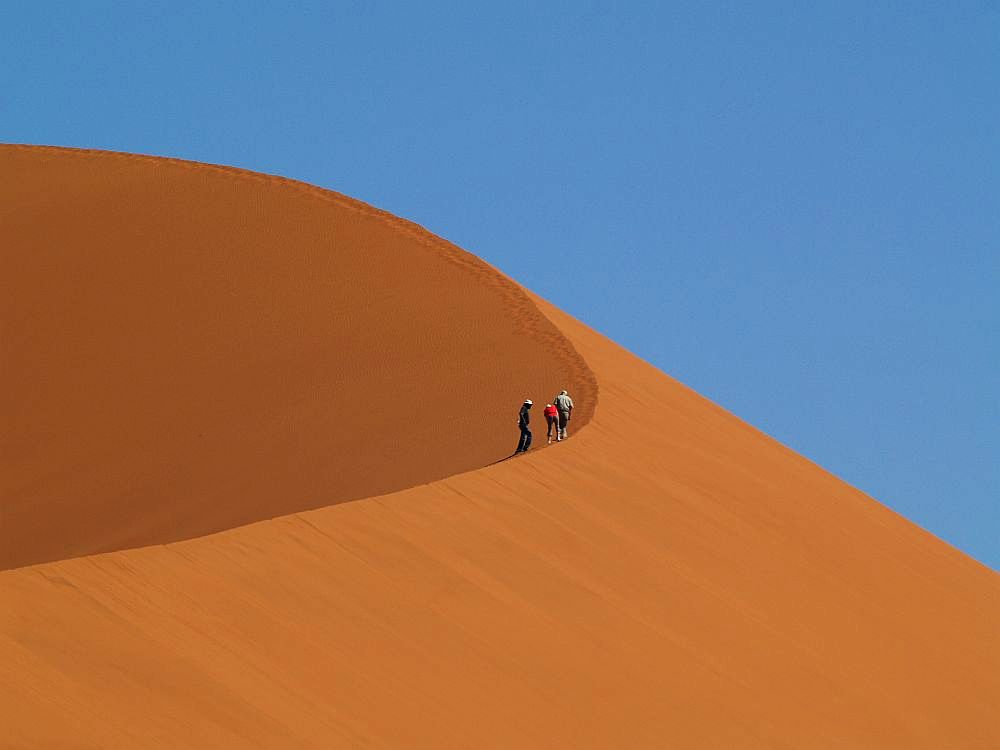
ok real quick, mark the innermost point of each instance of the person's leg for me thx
(563, 419)
(525, 442)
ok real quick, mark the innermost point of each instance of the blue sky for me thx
(791, 207)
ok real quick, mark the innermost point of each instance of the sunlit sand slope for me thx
(667, 578)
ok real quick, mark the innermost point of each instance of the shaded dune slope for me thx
(679, 580)
(193, 347)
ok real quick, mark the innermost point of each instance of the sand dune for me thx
(198, 348)
(668, 577)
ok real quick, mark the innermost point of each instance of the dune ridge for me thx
(515, 295)
(668, 577)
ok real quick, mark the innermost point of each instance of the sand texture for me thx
(202, 365)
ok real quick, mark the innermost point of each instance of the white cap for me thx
(527, 401)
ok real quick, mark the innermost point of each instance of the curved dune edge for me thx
(294, 439)
(669, 577)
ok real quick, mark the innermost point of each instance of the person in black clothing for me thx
(523, 419)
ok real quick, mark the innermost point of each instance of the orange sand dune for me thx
(676, 581)
(197, 348)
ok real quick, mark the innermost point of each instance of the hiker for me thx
(523, 418)
(564, 405)
(552, 420)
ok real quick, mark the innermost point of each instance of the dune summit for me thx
(183, 573)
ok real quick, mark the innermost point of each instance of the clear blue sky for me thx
(792, 207)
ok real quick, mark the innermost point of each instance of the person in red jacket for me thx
(552, 419)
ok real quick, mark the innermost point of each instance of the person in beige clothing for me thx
(564, 404)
